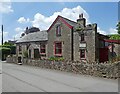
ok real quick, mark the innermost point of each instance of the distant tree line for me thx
(116, 36)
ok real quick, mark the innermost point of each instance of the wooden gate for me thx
(103, 54)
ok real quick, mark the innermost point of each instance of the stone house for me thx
(70, 40)
(32, 42)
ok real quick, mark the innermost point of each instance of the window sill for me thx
(43, 54)
(82, 58)
(82, 41)
(58, 35)
(57, 54)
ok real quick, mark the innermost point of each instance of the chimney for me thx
(26, 28)
(26, 31)
(81, 20)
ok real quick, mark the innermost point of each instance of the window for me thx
(58, 48)
(82, 53)
(20, 48)
(58, 30)
(82, 37)
(27, 46)
(42, 49)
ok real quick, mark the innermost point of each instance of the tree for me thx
(118, 27)
(7, 43)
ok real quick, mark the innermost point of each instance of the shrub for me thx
(116, 58)
(4, 52)
(12, 47)
(56, 58)
(115, 36)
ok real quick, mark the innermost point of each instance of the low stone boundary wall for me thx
(106, 70)
(12, 59)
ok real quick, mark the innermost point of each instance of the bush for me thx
(4, 52)
(12, 47)
(115, 36)
(56, 58)
(116, 58)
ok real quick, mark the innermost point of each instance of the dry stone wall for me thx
(106, 70)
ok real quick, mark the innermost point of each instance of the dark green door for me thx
(29, 53)
(36, 53)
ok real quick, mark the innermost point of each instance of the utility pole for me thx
(2, 34)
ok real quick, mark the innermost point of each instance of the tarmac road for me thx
(23, 78)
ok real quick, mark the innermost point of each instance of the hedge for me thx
(13, 48)
(4, 52)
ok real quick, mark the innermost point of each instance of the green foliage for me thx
(115, 59)
(79, 29)
(114, 36)
(12, 47)
(4, 52)
(25, 54)
(118, 27)
(56, 58)
(7, 43)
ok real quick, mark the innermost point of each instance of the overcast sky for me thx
(16, 16)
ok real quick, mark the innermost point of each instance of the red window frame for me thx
(42, 49)
(58, 48)
(58, 30)
(82, 54)
(82, 37)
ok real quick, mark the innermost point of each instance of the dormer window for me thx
(82, 37)
(58, 30)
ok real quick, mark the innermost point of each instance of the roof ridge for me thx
(66, 18)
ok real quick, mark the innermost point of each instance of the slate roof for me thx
(70, 22)
(33, 37)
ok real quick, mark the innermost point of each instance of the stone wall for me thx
(65, 38)
(91, 41)
(106, 70)
(12, 59)
(117, 49)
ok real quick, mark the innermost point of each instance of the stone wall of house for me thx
(65, 38)
(90, 39)
(24, 48)
(17, 49)
(45, 55)
(117, 49)
(106, 70)
(76, 41)
(91, 48)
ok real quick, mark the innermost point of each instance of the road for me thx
(23, 78)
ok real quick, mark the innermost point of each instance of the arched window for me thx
(58, 30)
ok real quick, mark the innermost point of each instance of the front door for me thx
(36, 53)
(29, 53)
